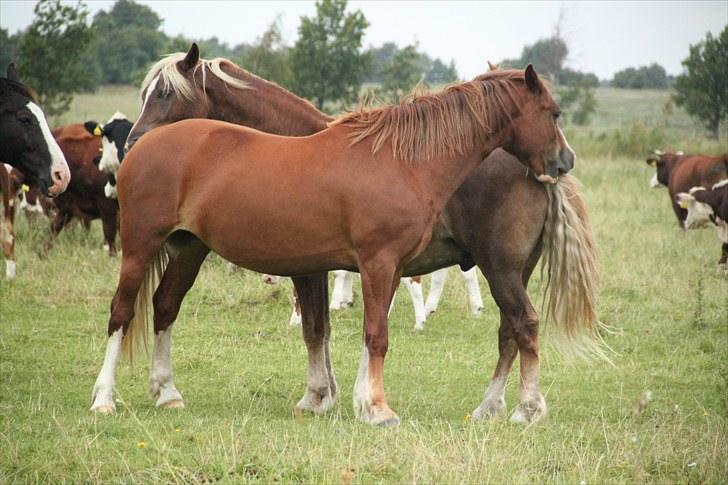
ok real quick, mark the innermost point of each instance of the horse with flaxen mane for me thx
(341, 206)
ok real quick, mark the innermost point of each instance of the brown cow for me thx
(680, 173)
(84, 197)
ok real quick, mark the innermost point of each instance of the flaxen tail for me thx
(135, 336)
(569, 269)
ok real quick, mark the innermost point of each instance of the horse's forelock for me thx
(173, 80)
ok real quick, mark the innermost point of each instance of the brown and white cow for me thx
(680, 173)
(705, 206)
(84, 198)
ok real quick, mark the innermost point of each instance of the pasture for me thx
(241, 368)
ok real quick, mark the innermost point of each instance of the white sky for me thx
(603, 36)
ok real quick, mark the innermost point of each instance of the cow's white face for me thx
(110, 190)
(698, 212)
(110, 156)
(654, 183)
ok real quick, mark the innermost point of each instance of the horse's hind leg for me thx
(321, 387)
(133, 271)
(186, 254)
(475, 301)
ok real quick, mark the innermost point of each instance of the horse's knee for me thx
(525, 330)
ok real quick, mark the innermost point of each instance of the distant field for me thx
(102, 104)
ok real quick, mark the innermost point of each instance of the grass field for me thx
(241, 369)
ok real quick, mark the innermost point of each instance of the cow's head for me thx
(113, 136)
(663, 164)
(699, 213)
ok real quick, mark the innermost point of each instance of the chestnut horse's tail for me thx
(569, 269)
(136, 333)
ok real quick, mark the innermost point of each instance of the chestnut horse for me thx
(341, 206)
(486, 222)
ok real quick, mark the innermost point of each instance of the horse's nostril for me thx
(58, 176)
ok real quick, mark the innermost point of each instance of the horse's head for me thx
(170, 93)
(26, 141)
(536, 138)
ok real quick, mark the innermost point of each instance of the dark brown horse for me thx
(341, 207)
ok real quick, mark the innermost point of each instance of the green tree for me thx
(703, 88)
(439, 73)
(51, 52)
(128, 39)
(402, 73)
(652, 76)
(269, 56)
(8, 48)
(327, 60)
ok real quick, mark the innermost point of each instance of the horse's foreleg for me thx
(185, 258)
(313, 297)
(494, 401)
(414, 286)
(7, 238)
(475, 301)
(437, 284)
(522, 324)
(379, 282)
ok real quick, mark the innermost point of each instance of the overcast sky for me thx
(603, 36)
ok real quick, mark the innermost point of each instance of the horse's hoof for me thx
(530, 411)
(490, 410)
(388, 422)
(176, 404)
(103, 409)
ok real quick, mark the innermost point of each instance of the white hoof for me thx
(490, 409)
(166, 394)
(530, 411)
(295, 320)
(317, 402)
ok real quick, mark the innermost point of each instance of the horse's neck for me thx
(267, 107)
(441, 178)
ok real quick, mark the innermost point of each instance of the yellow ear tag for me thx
(97, 131)
(24, 188)
(653, 163)
(683, 204)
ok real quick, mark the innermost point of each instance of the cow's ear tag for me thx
(97, 131)
(683, 204)
(24, 188)
(653, 163)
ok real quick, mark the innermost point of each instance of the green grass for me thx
(241, 369)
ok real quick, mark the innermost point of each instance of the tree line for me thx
(63, 51)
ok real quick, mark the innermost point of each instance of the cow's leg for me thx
(723, 261)
(437, 284)
(133, 270)
(186, 255)
(7, 230)
(321, 387)
(475, 301)
(109, 210)
(342, 295)
(379, 281)
(62, 218)
(414, 286)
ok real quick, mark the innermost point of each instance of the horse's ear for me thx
(12, 73)
(192, 57)
(94, 128)
(532, 81)
(492, 67)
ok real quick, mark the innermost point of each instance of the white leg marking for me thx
(295, 320)
(319, 396)
(475, 301)
(9, 269)
(102, 396)
(161, 383)
(437, 283)
(531, 404)
(349, 289)
(494, 401)
(58, 161)
(362, 391)
(418, 302)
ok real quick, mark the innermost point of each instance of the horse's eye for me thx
(556, 115)
(25, 119)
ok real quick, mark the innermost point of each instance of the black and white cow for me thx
(113, 137)
(705, 206)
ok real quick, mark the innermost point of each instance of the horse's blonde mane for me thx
(173, 80)
(447, 123)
